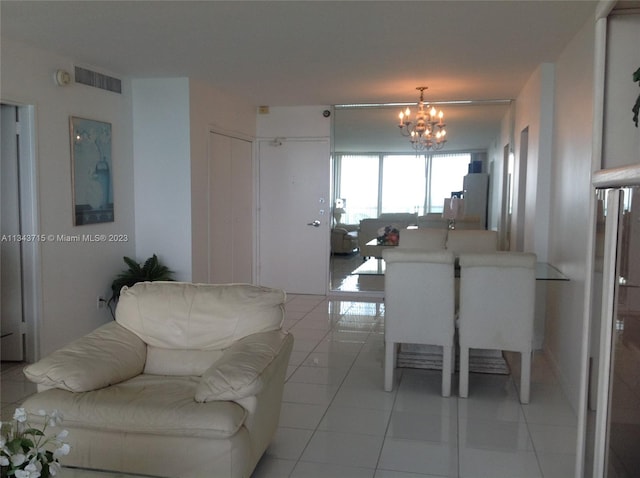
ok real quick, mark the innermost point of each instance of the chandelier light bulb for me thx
(427, 131)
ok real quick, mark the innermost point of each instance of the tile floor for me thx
(337, 421)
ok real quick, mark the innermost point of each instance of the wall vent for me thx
(97, 80)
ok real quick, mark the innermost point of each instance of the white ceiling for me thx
(311, 52)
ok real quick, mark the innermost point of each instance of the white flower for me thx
(54, 468)
(62, 435)
(4, 461)
(56, 418)
(20, 415)
(30, 471)
(18, 459)
(62, 450)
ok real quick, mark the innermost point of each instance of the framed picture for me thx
(92, 178)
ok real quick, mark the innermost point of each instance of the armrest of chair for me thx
(243, 369)
(108, 355)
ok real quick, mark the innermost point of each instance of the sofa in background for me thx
(369, 230)
(187, 381)
(436, 221)
(344, 238)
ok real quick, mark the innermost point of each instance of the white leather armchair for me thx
(497, 300)
(187, 381)
(419, 306)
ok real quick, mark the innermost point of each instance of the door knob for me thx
(315, 223)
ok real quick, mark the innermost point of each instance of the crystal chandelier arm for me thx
(427, 131)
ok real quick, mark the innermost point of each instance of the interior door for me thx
(294, 215)
(11, 310)
(231, 217)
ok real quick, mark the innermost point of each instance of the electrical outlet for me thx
(101, 302)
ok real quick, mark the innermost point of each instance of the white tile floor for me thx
(336, 420)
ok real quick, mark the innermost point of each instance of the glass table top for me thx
(544, 270)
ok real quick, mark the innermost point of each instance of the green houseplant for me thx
(151, 270)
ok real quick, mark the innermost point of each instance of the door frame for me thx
(29, 214)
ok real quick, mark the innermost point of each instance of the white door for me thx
(294, 215)
(231, 203)
(11, 295)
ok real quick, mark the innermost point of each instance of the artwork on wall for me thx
(92, 176)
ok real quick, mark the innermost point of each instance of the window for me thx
(377, 183)
(357, 182)
(447, 173)
(403, 184)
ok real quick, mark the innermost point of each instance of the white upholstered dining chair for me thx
(419, 306)
(497, 299)
(427, 239)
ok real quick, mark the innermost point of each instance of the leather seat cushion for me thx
(153, 404)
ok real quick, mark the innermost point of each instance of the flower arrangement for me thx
(388, 236)
(26, 451)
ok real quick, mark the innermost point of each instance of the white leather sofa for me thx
(344, 238)
(369, 230)
(187, 381)
(435, 220)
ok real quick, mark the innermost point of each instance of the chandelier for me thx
(427, 131)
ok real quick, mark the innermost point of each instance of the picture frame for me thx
(91, 171)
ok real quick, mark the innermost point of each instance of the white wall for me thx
(534, 109)
(294, 122)
(163, 172)
(73, 274)
(210, 109)
(172, 118)
(570, 195)
(495, 158)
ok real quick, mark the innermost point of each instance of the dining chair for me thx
(497, 299)
(462, 241)
(427, 239)
(419, 306)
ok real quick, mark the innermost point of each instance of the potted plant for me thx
(151, 270)
(27, 451)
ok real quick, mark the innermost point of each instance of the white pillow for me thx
(108, 355)
(239, 372)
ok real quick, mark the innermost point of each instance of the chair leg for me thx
(389, 364)
(447, 368)
(525, 375)
(464, 372)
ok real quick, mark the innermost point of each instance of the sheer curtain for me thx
(377, 183)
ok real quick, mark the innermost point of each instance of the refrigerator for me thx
(476, 195)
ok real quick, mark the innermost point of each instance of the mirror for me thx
(472, 127)
(611, 416)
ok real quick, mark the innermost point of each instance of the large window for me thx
(403, 184)
(379, 183)
(357, 182)
(447, 173)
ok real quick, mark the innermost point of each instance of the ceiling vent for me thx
(97, 80)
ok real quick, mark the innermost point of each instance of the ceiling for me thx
(312, 52)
